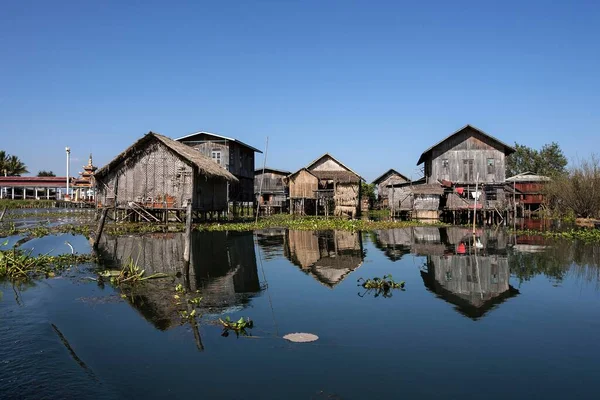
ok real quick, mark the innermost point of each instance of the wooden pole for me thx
(475, 205)
(262, 178)
(3, 212)
(188, 232)
(100, 228)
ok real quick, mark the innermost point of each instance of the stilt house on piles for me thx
(271, 190)
(467, 159)
(155, 178)
(235, 156)
(530, 190)
(325, 185)
(390, 177)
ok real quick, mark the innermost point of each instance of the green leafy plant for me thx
(239, 327)
(130, 274)
(19, 265)
(380, 286)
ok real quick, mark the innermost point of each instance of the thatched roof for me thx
(338, 176)
(507, 149)
(205, 165)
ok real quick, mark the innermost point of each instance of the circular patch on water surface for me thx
(301, 337)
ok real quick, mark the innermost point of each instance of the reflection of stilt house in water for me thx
(391, 177)
(156, 177)
(222, 267)
(329, 256)
(458, 163)
(270, 190)
(83, 186)
(235, 156)
(395, 243)
(271, 241)
(323, 187)
(474, 280)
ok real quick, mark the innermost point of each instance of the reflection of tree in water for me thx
(328, 256)
(222, 268)
(555, 259)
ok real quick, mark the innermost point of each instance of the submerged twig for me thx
(78, 360)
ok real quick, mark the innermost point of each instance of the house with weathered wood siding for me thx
(234, 155)
(416, 200)
(326, 185)
(156, 176)
(390, 177)
(271, 190)
(468, 158)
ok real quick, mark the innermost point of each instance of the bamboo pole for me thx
(3, 212)
(262, 178)
(475, 205)
(188, 232)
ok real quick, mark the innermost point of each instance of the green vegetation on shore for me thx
(19, 265)
(279, 221)
(17, 204)
(584, 234)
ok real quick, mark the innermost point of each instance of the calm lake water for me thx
(499, 317)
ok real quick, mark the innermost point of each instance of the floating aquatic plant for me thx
(239, 327)
(19, 265)
(300, 337)
(131, 273)
(380, 286)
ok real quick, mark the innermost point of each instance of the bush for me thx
(578, 192)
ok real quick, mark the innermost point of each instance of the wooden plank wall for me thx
(469, 145)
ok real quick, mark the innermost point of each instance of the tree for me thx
(577, 193)
(11, 165)
(549, 161)
(45, 173)
(367, 190)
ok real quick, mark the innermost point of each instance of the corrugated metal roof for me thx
(528, 177)
(507, 149)
(220, 137)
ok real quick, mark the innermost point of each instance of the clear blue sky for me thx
(372, 82)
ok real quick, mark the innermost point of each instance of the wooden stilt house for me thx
(236, 157)
(157, 177)
(390, 177)
(325, 186)
(271, 190)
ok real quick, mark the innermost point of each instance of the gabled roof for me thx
(266, 169)
(420, 181)
(334, 159)
(300, 170)
(507, 149)
(389, 172)
(218, 136)
(205, 165)
(528, 177)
